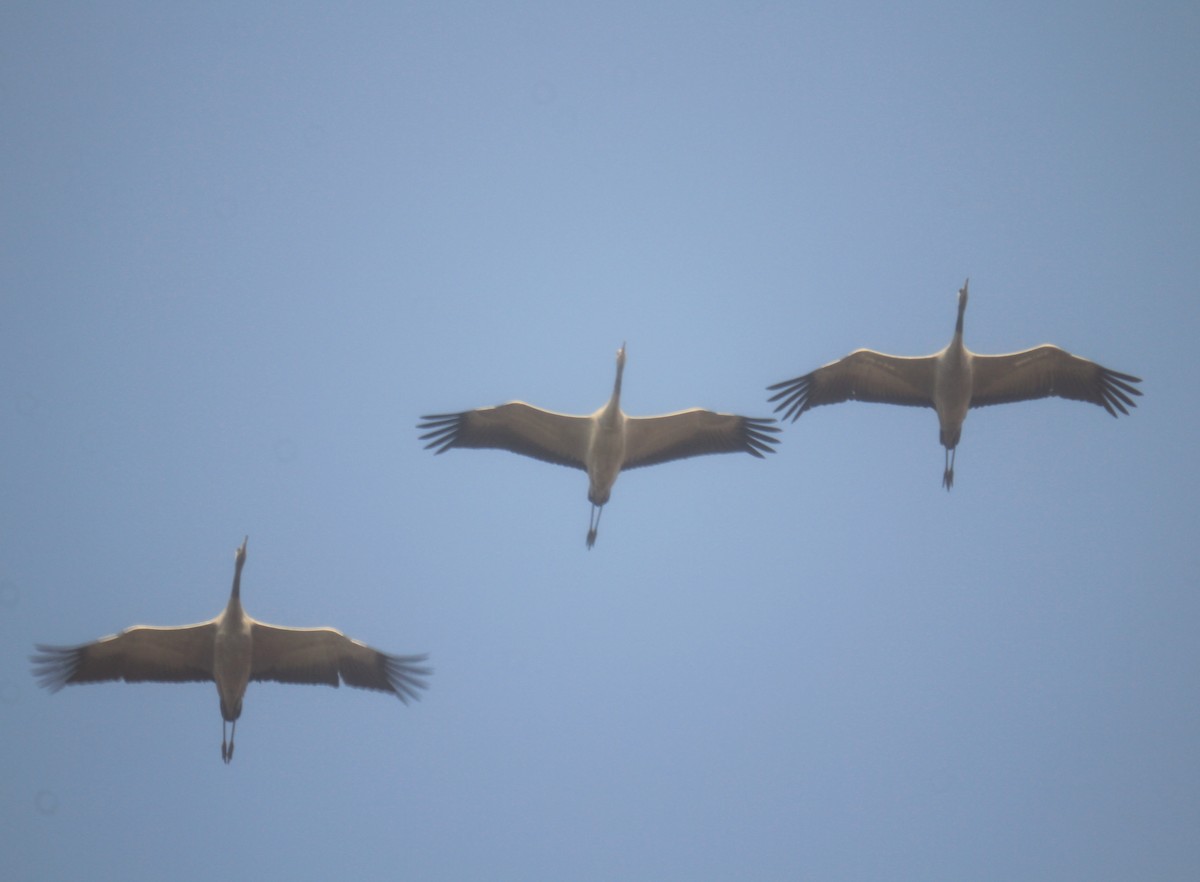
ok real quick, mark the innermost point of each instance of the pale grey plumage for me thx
(954, 380)
(604, 443)
(231, 650)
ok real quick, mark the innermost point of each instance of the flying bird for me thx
(231, 650)
(602, 444)
(955, 379)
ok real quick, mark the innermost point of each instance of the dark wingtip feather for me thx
(406, 675)
(444, 429)
(1115, 390)
(1128, 378)
(54, 666)
(794, 395)
(761, 434)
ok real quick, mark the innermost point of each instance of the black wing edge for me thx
(1115, 390)
(54, 666)
(794, 394)
(444, 429)
(759, 434)
(406, 675)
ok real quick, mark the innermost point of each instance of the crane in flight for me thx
(954, 380)
(231, 650)
(603, 443)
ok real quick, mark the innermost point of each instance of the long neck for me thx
(235, 594)
(962, 308)
(613, 409)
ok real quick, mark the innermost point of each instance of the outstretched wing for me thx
(326, 656)
(1046, 371)
(518, 427)
(863, 375)
(651, 440)
(139, 654)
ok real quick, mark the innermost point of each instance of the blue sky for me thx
(245, 247)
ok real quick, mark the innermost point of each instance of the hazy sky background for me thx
(244, 248)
